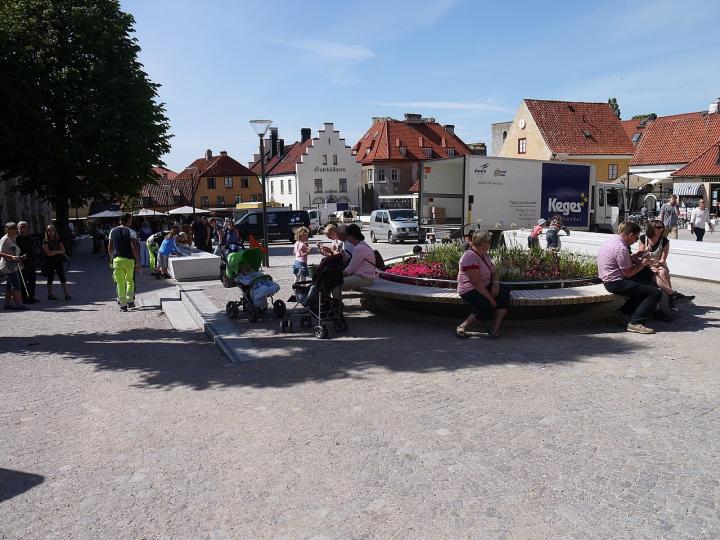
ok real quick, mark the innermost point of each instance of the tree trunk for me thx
(62, 215)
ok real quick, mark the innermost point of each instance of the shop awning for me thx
(688, 189)
(639, 180)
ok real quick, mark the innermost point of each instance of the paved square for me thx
(115, 425)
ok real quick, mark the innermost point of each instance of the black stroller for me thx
(315, 302)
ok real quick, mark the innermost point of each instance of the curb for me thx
(217, 327)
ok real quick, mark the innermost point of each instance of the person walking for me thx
(669, 214)
(54, 261)
(700, 221)
(618, 270)
(10, 264)
(29, 267)
(124, 253)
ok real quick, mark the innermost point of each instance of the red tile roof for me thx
(706, 164)
(383, 140)
(164, 173)
(573, 127)
(677, 139)
(285, 163)
(222, 165)
(631, 127)
(169, 193)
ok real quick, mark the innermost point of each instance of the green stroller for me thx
(242, 269)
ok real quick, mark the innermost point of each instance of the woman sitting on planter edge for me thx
(479, 286)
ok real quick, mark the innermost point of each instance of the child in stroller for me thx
(319, 299)
(243, 268)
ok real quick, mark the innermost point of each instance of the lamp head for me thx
(260, 126)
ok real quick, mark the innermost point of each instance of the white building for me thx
(311, 172)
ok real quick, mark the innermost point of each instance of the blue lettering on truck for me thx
(565, 191)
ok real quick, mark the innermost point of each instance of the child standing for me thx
(167, 248)
(534, 238)
(301, 250)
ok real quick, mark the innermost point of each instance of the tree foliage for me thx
(615, 107)
(79, 118)
(641, 116)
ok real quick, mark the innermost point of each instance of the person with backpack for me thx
(124, 253)
(362, 268)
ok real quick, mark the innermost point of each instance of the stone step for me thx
(178, 315)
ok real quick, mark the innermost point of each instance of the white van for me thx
(393, 225)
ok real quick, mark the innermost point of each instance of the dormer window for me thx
(450, 152)
(428, 152)
(636, 138)
(403, 151)
(586, 133)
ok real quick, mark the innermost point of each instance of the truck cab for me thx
(608, 207)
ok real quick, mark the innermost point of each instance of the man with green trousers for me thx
(124, 252)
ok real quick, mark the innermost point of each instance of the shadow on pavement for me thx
(13, 483)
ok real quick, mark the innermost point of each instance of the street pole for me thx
(266, 254)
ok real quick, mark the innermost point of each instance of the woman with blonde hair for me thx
(479, 286)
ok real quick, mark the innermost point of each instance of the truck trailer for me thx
(498, 194)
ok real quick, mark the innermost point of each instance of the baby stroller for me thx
(315, 303)
(242, 268)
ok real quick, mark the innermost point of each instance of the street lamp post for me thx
(261, 127)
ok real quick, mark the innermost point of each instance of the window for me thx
(282, 187)
(228, 181)
(379, 217)
(403, 151)
(238, 199)
(612, 171)
(211, 183)
(601, 197)
(450, 152)
(254, 219)
(334, 159)
(289, 186)
(244, 182)
(221, 200)
(342, 187)
(204, 201)
(385, 217)
(254, 198)
(522, 145)
(394, 177)
(636, 138)
(428, 152)
(370, 176)
(324, 159)
(504, 135)
(380, 175)
(318, 185)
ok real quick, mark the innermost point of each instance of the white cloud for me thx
(327, 51)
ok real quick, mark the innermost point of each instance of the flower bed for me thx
(439, 267)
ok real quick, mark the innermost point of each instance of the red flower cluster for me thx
(420, 270)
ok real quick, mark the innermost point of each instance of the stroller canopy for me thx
(251, 257)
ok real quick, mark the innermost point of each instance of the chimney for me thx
(208, 154)
(714, 107)
(273, 141)
(281, 147)
(413, 118)
(223, 152)
(305, 134)
(450, 128)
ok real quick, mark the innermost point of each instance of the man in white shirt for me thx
(700, 221)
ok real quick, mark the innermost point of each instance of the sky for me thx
(222, 63)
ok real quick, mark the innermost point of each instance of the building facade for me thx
(311, 172)
(499, 132)
(391, 151)
(220, 182)
(577, 132)
(15, 206)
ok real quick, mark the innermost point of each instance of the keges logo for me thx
(566, 207)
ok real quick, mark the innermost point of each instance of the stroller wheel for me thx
(340, 325)
(279, 308)
(283, 326)
(321, 332)
(229, 308)
(253, 316)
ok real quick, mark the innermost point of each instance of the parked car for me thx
(394, 224)
(281, 224)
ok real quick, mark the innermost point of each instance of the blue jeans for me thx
(300, 270)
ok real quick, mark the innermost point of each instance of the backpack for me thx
(379, 261)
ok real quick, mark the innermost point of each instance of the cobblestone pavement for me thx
(114, 425)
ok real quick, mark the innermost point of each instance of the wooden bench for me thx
(585, 294)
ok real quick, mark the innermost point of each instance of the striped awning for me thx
(688, 189)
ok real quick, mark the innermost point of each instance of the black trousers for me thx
(642, 298)
(30, 276)
(699, 233)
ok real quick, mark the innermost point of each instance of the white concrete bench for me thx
(585, 294)
(198, 265)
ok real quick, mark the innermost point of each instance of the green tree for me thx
(79, 118)
(641, 116)
(615, 107)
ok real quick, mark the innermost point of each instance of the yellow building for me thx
(221, 182)
(571, 131)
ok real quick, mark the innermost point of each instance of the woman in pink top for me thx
(479, 286)
(360, 271)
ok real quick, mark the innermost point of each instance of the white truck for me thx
(323, 214)
(494, 193)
